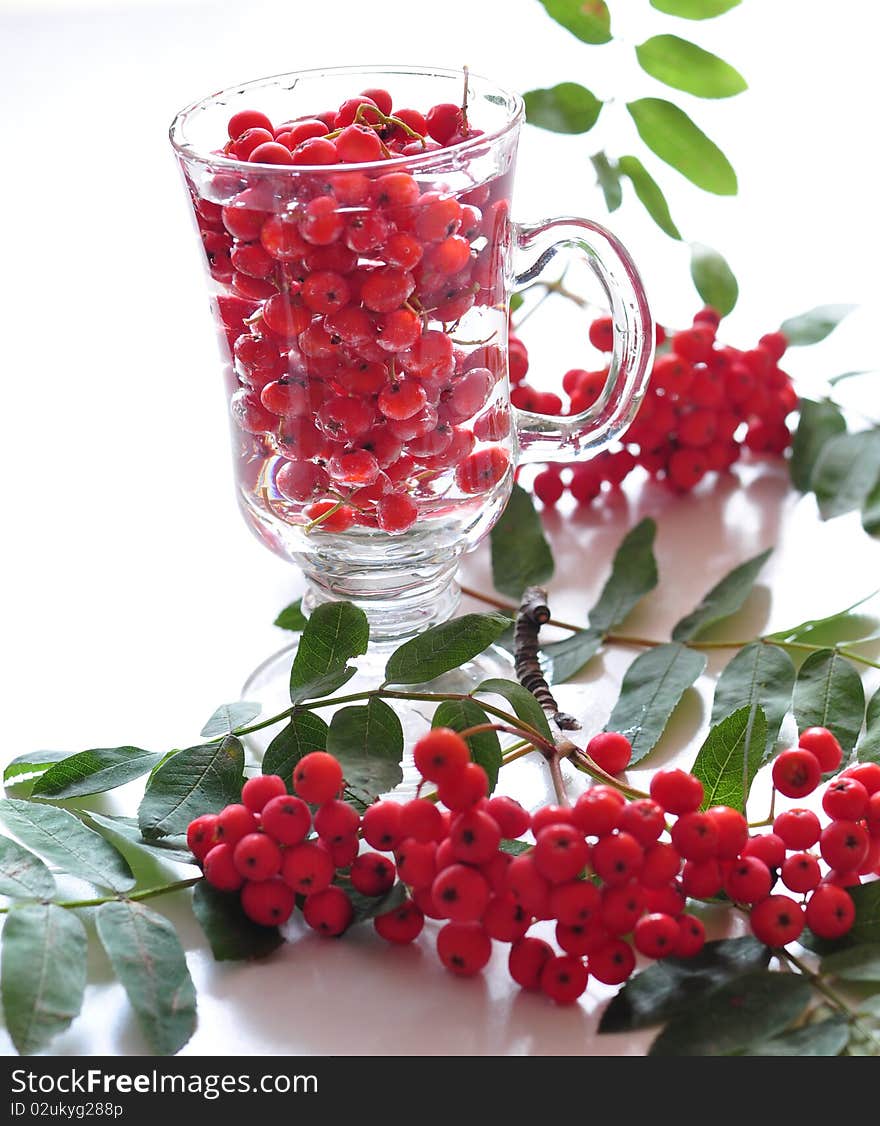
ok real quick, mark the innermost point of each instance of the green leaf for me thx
(485, 747)
(671, 986)
(125, 834)
(62, 839)
(724, 599)
(824, 1038)
(858, 963)
(305, 733)
(565, 108)
(866, 927)
(648, 191)
(745, 1011)
(868, 749)
(443, 648)
(846, 472)
(524, 704)
(871, 511)
(829, 693)
(292, 617)
(521, 556)
(652, 687)
(729, 758)
(819, 421)
(149, 961)
(760, 677)
(231, 934)
(843, 625)
(27, 766)
(369, 906)
(713, 278)
(608, 179)
(515, 848)
(694, 9)
(335, 632)
(368, 742)
(815, 325)
(229, 717)
(670, 134)
(322, 686)
(835, 379)
(93, 772)
(197, 780)
(23, 875)
(589, 20)
(563, 659)
(516, 302)
(43, 974)
(685, 66)
(633, 575)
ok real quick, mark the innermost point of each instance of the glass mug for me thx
(362, 311)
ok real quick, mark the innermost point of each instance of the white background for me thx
(134, 599)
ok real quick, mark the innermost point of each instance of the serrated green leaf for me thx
(633, 575)
(443, 648)
(564, 108)
(515, 848)
(846, 472)
(292, 617)
(866, 927)
(829, 693)
(745, 1011)
(668, 987)
(43, 974)
(724, 599)
(94, 772)
(322, 686)
(713, 279)
(335, 632)
(369, 906)
(730, 757)
(62, 839)
(125, 834)
(589, 20)
(815, 325)
(868, 749)
(149, 961)
(485, 747)
(229, 717)
(823, 1038)
(685, 66)
(670, 134)
(759, 677)
(305, 733)
(524, 704)
(23, 875)
(694, 9)
(608, 179)
(649, 193)
(652, 688)
(819, 422)
(197, 780)
(521, 556)
(858, 963)
(368, 742)
(231, 934)
(31, 764)
(564, 659)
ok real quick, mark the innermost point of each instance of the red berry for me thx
(257, 857)
(644, 819)
(372, 874)
(317, 777)
(564, 979)
(421, 819)
(528, 886)
(620, 907)
(602, 334)
(777, 920)
(695, 836)
(598, 811)
(527, 960)
(233, 823)
(416, 862)
(336, 821)
(575, 902)
(200, 835)
(443, 121)
(611, 751)
(329, 912)
(464, 948)
(482, 471)
(461, 893)
(702, 879)
(796, 773)
(824, 746)
(268, 903)
(612, 963)
(868, 773)
(475, 837)
(509, 815)
(769, 847)
(548, 487)
(464, 788)
(617, 858)
(505, 919)
(830, 911)
(676, 791)
(286, 819)
(560, 852)
(247, 119)
(748, 880)
(661, 864)
(396, 512)
(845, 799)
(691, 936)
(381, 826)
(551, 815)
(260, 790)
(801, 872)
(733, 831)
(220, 870)
(440, 754)
(656, 935)
(307, 867)
(844, 845)
(401, 925)
(798, 828)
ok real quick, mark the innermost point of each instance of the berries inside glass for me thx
(356, 230)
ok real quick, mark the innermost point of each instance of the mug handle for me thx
(545, 438)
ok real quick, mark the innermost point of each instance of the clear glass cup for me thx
(362, 314)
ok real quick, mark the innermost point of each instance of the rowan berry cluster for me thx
(612, 876)
(340, 293)
(705, 403)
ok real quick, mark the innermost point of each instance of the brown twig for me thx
(534, 613)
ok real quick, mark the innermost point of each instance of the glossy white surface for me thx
(134, 599)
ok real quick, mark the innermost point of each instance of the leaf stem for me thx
(132, 897)
(821, 986)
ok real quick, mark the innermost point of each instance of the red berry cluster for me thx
(705, 402)
(340, 293)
